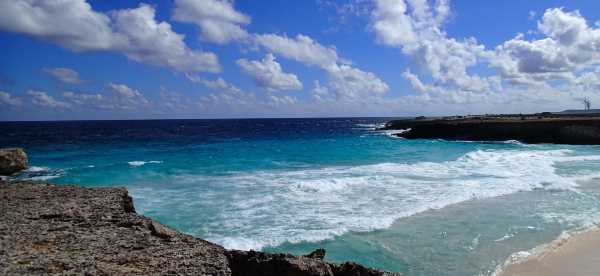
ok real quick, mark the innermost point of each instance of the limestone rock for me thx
(317, 254)
(12, 160)
(69, 230)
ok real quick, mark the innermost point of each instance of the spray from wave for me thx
(268, 208)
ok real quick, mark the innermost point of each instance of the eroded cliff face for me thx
(560, 130)
(48, 229)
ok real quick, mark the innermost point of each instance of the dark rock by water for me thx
(52, 229)
(12, 160)
(534, 128)
(317, 254)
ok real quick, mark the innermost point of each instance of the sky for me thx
(97, 59)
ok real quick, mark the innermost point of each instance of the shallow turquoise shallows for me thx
(421, 207)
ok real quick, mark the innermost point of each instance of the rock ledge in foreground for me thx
(48, 229)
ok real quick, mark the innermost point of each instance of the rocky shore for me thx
(534, 128)
(58, 229)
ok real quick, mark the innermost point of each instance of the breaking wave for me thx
(268, 208)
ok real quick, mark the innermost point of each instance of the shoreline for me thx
(575, 252)
(58, 229)
(582, 129)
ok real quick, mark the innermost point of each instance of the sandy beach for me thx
(570, 254)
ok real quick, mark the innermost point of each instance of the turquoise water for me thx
(422, 207)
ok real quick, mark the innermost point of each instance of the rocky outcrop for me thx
(259, 263)
(12, 160)
(48, 229)
(528, 129)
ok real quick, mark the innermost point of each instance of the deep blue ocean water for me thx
(422, 207)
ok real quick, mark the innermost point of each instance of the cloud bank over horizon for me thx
(217, 58)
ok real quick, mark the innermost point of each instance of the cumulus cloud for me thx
(219, 22)
(351, 83)
(173, 101)
(570, 45)
(116, 97)
(278, 101)
(414, 81)
(320, 93)
(217, 84)
(268, 74)
(74, 25)
(127, 97)
(302, 48)
(42, 99)
(95, 101)
(71, 23)
(145, 40)
(416, 28)
(345, 81)
(228, 99)
(65, 75)
(9, 100)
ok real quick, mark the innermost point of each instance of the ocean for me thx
(421, 207)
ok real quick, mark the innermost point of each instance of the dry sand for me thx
(570, 255)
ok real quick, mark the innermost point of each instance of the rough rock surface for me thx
(536, 128)
(48, 229)
(266, 264)
(12, 160)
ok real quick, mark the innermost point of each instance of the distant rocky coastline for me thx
(555, 128)
(61, 229)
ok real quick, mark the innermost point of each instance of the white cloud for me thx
(320, 93)
(74, 25)
(148, 41)
(228, 99)
(301, 48)
(70, 23)
(118, 97)
(42, 99)
(9, 100)
(124, 90)
(532, 15)
(391, 23)
(415, 27)
(345, 81)
(351, 83)
(217, 84)
(173, 101)
(414, 81)
(268, 74)
(65, 75)
(279, 101)
(345, 14)
(570, 46)
(127, 97)
(88, 100)
(218, 20)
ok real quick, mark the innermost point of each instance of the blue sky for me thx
(77, 59)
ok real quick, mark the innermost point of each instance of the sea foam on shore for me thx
(572, 253)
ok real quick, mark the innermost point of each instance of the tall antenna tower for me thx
(587, 104)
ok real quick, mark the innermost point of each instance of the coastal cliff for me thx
(535, 128)
(57, 229)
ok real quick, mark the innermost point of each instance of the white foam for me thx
(394, 133)
(141, 163)
(258, 209)
(37, 169)
(371, 126)
(39, 173)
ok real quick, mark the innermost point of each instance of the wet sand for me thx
(571, 254)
